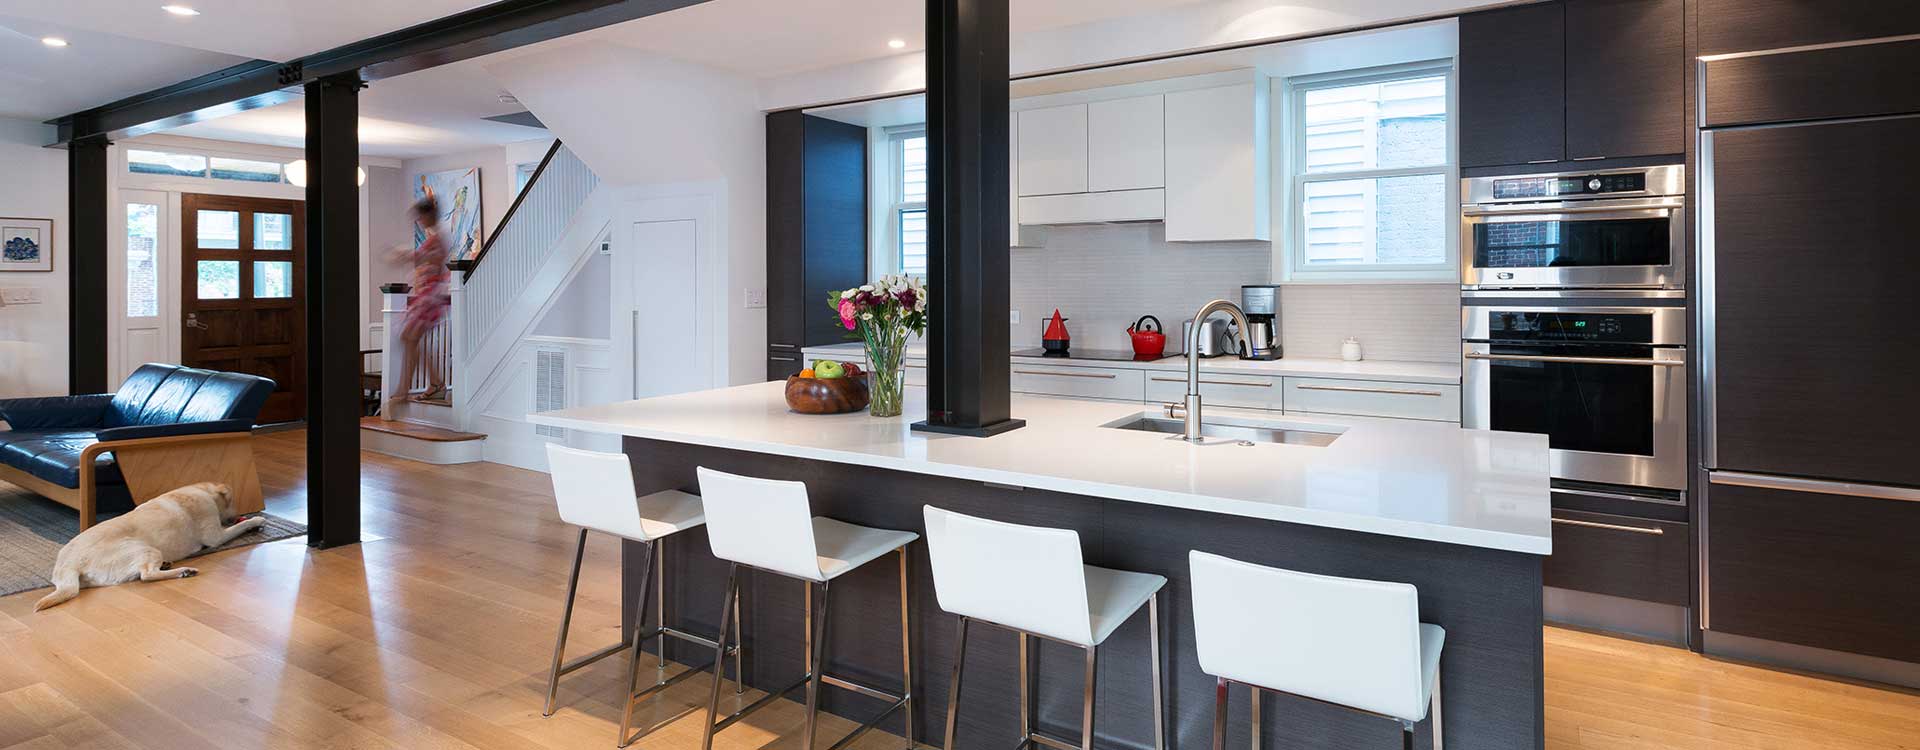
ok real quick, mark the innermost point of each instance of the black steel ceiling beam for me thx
(262, 83)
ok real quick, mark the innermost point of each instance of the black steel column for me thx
(86, 259)
(967, 337)
(333, 307)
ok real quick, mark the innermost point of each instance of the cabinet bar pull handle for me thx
(1268, 384)
(915, 367)
(1352, 389)
(783, 359)
(1795, 484)
(783, 346)
(1578, 360)
(1066, 374)
(1541, 161)
(1587, 158)
(1656, 531)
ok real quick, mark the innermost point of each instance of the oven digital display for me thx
(1549, 187)
(1518, 325)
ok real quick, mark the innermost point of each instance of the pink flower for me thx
(846, 314)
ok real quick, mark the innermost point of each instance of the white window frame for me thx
(1292, 267)
(896, 183)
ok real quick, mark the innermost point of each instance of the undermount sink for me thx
(1252, 433)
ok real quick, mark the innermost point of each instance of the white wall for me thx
(652, 126)
(389, 226)
(33, 338)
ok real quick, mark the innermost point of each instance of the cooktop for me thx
(1100, 355)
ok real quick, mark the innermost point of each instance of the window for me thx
(162, 163)
(523, 174)
(174, 164)
(908, 217)
(143, 270)
(1372, 176)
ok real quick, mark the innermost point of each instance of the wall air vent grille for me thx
(549, 388)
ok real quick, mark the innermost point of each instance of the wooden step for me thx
(440, 401)
(418, 431)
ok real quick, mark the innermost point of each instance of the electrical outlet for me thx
(756, 299)
(1013, 317)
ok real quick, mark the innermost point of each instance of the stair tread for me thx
(431, 401)
(418, 431)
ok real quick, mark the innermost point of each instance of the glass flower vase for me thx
(885, 376)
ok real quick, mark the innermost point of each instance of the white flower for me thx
(866, 316)
(866, 287)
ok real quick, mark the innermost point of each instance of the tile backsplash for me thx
(1103, 278)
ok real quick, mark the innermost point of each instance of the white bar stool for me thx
(768, 525)
(1352, 643)
(1031, 580)
(594, 491)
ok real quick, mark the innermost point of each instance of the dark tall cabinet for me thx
(1812, 503)
(816, 230)
(1568, 83)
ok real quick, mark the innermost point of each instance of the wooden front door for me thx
(243, 305)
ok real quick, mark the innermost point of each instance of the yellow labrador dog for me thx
(140, 543)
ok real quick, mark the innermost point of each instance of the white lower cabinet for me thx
(1078, 382)
(1370, 398)
(1248, 391)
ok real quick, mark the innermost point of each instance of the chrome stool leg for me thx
(1026, 691)
(720, 654)
(654, 560)
(906, 653)
(1433, 711)
(1159, 682)
(816, 663)
(1220, 716)
(1086, 714)
(566, 620)
(1257, 699)
(953, 686)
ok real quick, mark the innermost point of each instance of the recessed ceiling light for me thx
(53, 41)
(180, 10)
(897, 43)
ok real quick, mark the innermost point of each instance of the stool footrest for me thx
(845, 684)
(571, 666)
(1037, 738)
(729, 719)
(870, 724)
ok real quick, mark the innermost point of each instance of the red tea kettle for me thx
(1147, 343)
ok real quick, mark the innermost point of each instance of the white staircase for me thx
(498, 297)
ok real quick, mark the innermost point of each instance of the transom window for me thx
(175, 164)
(1372, 170)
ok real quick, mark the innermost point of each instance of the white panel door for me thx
(1053, 150)
(1126, 144)
(1217, 164)
(137, 283)
(663, 276)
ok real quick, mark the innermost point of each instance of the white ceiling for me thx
(38, 82)
(766, 38)
(433, 112)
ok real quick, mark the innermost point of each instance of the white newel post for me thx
(462, 387)
(393, 312)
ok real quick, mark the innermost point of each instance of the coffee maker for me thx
(1261, 303)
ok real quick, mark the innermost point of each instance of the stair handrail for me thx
(466, 266)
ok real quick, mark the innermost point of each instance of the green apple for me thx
(828, 369)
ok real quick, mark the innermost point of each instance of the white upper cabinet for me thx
(1217, 164)
(1053, 150)
(1126, 144)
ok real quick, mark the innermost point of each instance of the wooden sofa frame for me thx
(155, 466)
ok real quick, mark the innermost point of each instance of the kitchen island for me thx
(1461, 514)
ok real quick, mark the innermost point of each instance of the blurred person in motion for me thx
(427, 305)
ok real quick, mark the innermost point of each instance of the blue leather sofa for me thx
(166, 427)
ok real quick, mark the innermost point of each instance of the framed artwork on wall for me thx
(458, 192)
(26, 244)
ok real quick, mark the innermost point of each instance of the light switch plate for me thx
(756, 299)
(1013, 317)
(25, 295)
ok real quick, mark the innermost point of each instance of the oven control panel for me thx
(1610, 328)
(1553, 186)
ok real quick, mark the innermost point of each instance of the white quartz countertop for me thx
(1302, 367)
(1429, 481)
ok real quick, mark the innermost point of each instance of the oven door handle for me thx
(1627, 210)
(1578, 360)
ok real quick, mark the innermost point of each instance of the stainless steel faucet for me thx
(1191, 410)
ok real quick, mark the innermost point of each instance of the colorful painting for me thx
(458, 191)
(26, 244)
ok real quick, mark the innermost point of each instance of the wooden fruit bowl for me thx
(827, 395)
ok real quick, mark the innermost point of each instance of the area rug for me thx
(33, 529)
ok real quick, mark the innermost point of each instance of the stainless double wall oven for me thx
(1574, 321)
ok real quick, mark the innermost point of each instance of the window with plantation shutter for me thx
(909, 216)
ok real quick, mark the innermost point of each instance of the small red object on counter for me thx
(1055, 338)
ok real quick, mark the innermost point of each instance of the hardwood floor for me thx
(437, 635)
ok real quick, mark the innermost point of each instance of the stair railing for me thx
(533, 226)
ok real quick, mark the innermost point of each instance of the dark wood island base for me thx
(1489, 601)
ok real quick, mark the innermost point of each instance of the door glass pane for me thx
(160, 162)
(1580, 243)
(273, 231)
(245, 169)
(219, 230)
(218, 279)
(143, 270)
(1581, 407)
(272, 279)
